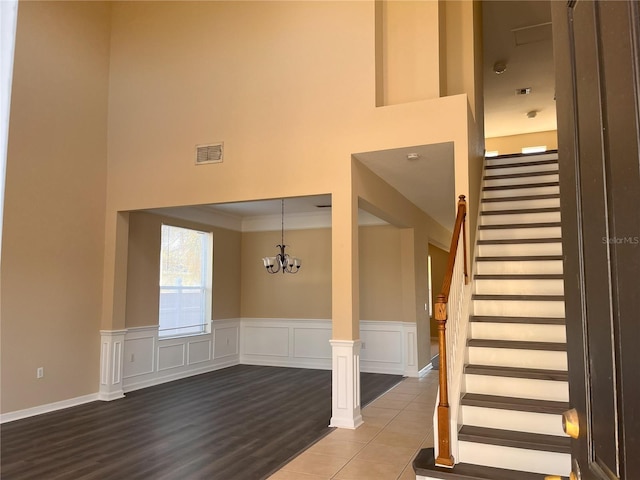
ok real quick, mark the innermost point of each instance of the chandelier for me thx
(282, 261)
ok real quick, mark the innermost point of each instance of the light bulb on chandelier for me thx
(282, 262)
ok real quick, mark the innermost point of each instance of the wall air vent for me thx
(212, 153)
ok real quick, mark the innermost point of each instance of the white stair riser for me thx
(531, 422)
(526, 249)
(522, 159)
(518, 332)
(510, 219)
(519, 287)
(545, 167)
(517, 387)
(518, 204)
(519, 233)
(519, 308)
(550, 463)
(517, 358)
(515, 267)
(516, 192)
(495, 182)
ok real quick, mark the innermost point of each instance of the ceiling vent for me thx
(212, 153)
(523, 91)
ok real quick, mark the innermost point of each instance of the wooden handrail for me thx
(444, 434)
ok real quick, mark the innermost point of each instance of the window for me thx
(185, 281)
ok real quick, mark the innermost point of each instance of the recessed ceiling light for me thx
(412, 156)
(532, 114)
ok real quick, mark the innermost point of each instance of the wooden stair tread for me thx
(518, 211)
(519, 258)
(518, 241)
(521, 185)
(531, 320)
(514, 403)
(522, 164)
(541, 298)
(424, 464)
(510, 438)
(517, 345)
(539, 173)
(529, 373)
(520, 225)
(518, 198)
(518, 276)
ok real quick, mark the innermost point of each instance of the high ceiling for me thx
(517, 34)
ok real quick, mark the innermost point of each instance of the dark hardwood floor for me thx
(242, 422)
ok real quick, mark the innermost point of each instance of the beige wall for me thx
(380, 273)
(515, 143)
(241, 286)
(290, 87)
(307, 294)
(53, 236)
(407, 71)
(417, 229)
(276, 110)
(144, 269)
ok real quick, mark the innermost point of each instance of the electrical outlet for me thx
(40, 372)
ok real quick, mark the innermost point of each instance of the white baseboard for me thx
(144, 360)
(49, 407)
(427, 368)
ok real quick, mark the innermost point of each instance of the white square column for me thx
(345, 384)
(111, 364)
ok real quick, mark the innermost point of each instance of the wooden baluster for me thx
(444, 448)
(444, 433)
(462, 203)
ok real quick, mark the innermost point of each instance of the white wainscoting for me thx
(386, 347)
(149, 360)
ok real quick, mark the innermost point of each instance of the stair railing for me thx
(449, 304)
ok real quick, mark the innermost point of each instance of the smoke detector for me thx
(499, 68)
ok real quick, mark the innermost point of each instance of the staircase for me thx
(515, 377)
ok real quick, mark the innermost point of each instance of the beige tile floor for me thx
(396, 426)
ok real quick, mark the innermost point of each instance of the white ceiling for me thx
(516, 33)
(427, 181)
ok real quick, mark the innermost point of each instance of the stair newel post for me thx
(462, 209)
(444, 448)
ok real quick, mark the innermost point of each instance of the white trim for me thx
(387, 347)
(426, 369)
(49, 407)
(111, 364)
(149, 360)
(345, 384)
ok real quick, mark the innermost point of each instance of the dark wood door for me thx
(597, 79)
